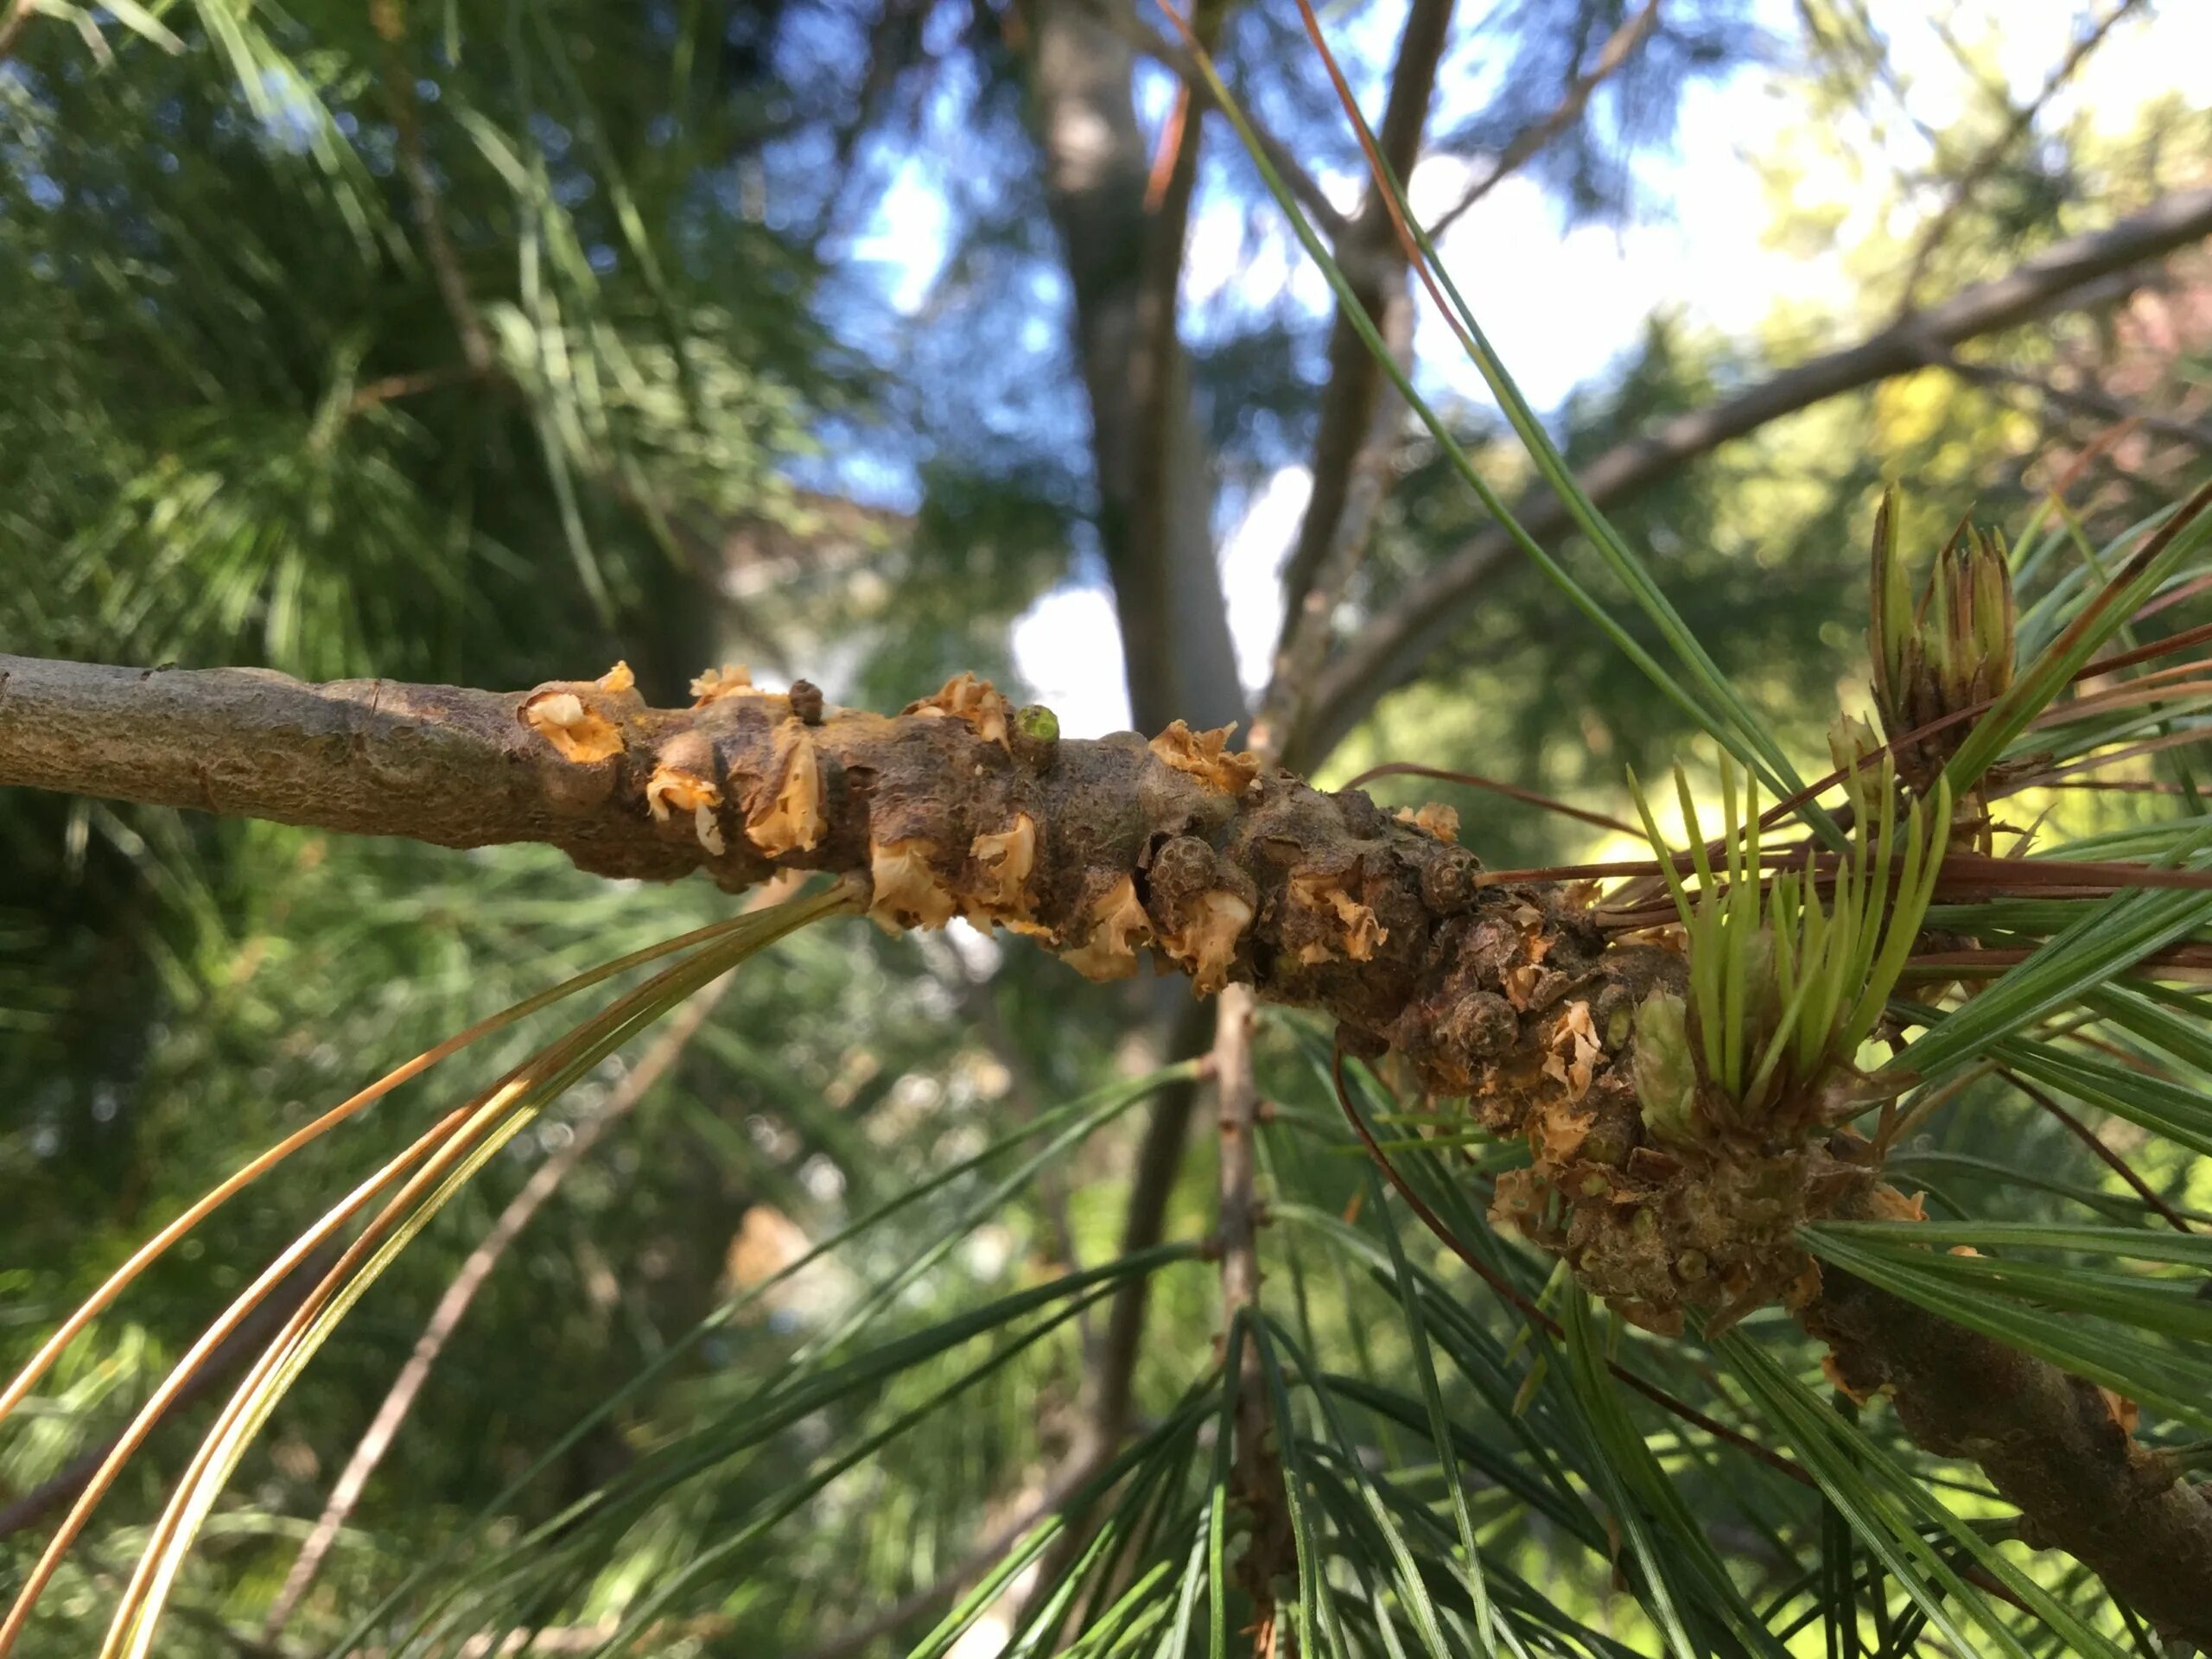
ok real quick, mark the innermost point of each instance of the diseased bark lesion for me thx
(1508, 994)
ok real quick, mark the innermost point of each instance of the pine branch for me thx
(388, 19)
(1505, 994)
(2050, 1443)
(749, 783)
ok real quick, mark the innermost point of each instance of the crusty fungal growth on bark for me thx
(1438, 820)
(730, 680)
(786, 811)
(579, 734)
(1009, 855)
(1115, 927)
(1180, 846)
(1508, 995)
(1530, 1013)
(976, 701)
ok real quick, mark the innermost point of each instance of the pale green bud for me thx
(1664, 1068)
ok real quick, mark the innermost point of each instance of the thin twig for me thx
(1359, 417)
(392, 387)
(1124, 21)
(1511, 791)
(1256, 1480)
(894, 45)
(2067, 777)
(1987, 161)
(388, 19)
(1356, 486)
(1526, 144)
(2089, 1138)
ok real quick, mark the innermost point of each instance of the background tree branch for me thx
(1391, 647)
(1142, 37)
(2084, 400)
(1963, 187)
(1356, 428)
(1153, 516)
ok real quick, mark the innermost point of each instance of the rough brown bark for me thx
(1179, 844)
(2048, 1441)
(1506, 993)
